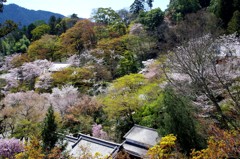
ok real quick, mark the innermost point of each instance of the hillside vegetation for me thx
(176, 71)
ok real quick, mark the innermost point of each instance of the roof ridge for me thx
(98, 139)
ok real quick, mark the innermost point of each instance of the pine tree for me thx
(49, 135)
(234, 24)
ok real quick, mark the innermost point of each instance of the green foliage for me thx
(122, 100)
(148, 115)
(179, 8)
(7, 27)
(109, 23)
(106, 16)
(79, 77)
(128, 64)
(49, 131)
(143, 46)
(7, 44)
(29, 29)
(39, 31)
(137, 6)
(225, 10)
(152, 18)
(177, 119)
(234, 24)
(57, 25)
(26, 128)
(47, 47)
(21, 45)
(52, 24)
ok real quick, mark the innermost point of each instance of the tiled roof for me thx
(142, 135)
(135, 150)
(93, 145)
(138, 140)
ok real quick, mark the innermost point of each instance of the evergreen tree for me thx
(49, 135)
(149, 3)
(151, 19)
(52, 24)
(178, 120)
(137, 6)
(234, 24)
(225, 11)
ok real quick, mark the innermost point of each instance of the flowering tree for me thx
(98, 132)
(84, 58)
(7, 64)
(27, 72)
(29, 105)
(81, 116)
(12, 79)
(44, 82)
(63, 98)
(201, 60)
(10, 147)
(34, 69)
(22, 112)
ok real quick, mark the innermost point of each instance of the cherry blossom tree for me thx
(23, 111)
(63, 98)
(34, 69)
(12, 79)
(44, 82)
(84, 58)
(98, 132)
(10, 147)
(27, 73)
(207, 62)
(28, 105)
(7, 62)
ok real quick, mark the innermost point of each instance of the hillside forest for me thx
(177, 71)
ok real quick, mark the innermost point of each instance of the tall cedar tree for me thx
(225, 12)
(137, 6)
(178, 120)
(49, 135)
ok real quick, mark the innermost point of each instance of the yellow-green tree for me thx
(222, 144)
(79, 77)
(40, 31)
(122, 100)
(47, 47)
(32, 150)
(165, 149)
